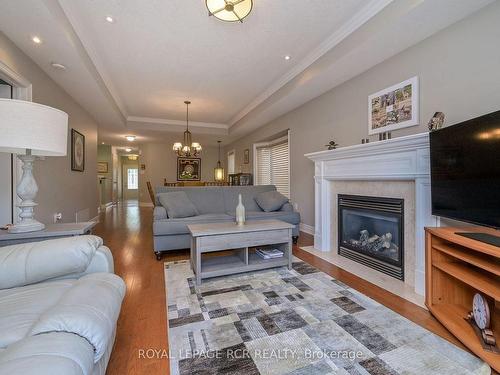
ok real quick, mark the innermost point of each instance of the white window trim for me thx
(270, 143)
(233, 151)
(21, 90)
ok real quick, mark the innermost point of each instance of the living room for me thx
(214, 187)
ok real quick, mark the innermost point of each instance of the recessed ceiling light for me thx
(36, 39)
(128, 149)
(288, 57)
(130, 138)
(110, 19)
(58, 66)
(102, 143)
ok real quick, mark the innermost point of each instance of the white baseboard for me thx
(146, 204)
(309, 229)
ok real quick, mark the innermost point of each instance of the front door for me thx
(130, 182)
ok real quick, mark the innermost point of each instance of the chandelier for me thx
(229, 10)
(187, 148)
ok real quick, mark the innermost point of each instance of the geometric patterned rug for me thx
(297, 322)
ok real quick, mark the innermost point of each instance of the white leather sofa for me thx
(59, 304)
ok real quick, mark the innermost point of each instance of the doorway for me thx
(130, 180)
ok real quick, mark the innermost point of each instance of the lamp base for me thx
(26, 226)
(26, 190)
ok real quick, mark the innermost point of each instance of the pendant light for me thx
(218, 170)
(187, 148)
(229, 10)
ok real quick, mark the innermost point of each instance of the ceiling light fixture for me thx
(218, 170)
(130, 138)
(287, 57)
(128, 149)
(110, 19)
(229, 10)
(36, 40)
(187, 148)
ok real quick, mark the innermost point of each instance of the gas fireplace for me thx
(371, 232)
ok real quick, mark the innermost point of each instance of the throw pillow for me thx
(270, 200)
(177, 204)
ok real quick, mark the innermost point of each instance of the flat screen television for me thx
(465, 171)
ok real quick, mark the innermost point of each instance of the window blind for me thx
(230, 162)
(273, 165)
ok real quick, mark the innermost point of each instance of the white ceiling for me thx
(134, 74)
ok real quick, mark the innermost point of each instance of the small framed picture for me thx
(77, 151)
(393, 108)
(246, 156)
(188, 169)
(102, 167)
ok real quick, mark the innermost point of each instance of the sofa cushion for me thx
(179, 226)
(89, 309)
(177, 204)
(271, 200)
(33, 262)
(48, 354)
(21, 307)
(206, 199)
(248, 194)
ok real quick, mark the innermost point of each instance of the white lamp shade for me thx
(27, 125)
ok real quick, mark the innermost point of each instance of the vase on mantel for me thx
(240, 212)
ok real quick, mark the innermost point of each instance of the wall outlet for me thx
(57, 217)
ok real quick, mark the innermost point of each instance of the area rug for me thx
(296, 322)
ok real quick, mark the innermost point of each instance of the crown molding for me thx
(178, 123)
(76, 34)
(360, 18)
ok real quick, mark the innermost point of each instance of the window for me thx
(231, 162)
(132, 179)
(272, 164)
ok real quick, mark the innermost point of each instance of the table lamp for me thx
(29, 130)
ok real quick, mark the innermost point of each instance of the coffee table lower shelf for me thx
(231, 264)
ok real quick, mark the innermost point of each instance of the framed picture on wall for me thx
(246, 156)
(393, 108)
(102, 167)
(77, 151)
(188, 169)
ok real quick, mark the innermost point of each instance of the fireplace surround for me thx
(403, 159)
(371, 232)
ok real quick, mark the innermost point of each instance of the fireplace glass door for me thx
(371, 231)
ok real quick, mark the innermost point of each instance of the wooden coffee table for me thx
(243, 239)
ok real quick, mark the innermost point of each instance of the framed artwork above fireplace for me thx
(393, 108)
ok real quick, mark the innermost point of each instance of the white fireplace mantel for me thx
(404, 158)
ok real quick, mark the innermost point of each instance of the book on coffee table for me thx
(269, 253)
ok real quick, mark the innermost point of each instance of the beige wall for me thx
(459, 72)
(60, 189)
(161, 162)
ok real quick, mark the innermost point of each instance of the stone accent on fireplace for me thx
(389, 189)
(397, 168)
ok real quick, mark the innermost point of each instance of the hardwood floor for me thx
(142, 325)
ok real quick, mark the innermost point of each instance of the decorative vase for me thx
(240, 212)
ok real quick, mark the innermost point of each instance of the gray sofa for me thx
(214, 204)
